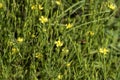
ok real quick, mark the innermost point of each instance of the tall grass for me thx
(59, 40)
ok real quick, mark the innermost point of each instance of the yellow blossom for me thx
(103, 50)
(112, 6)
(40, 7)
(58, 2)
(14, 50)
(38, 55)
(59, 43)
(43, 19)
(1, 5)
(60, 76)
(68, 64)
(20, 39)
(90, 33)
(33, 7)
(68, 25)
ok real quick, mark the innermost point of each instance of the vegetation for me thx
(59, 40)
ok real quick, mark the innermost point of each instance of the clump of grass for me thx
(59, 40)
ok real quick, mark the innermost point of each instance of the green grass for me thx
(28, 48)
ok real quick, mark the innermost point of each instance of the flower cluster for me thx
(103, 50)
(33, 7)
(91, 33)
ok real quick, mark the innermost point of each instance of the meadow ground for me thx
(59, 40)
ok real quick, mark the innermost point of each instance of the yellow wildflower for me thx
(68, 64)
(1, 5)
(43, 19)
(19, 39)
(58, 2)
(60, 77)
(33, 7)
(103, 50)
(14, 50)
(112, 6)
(90, 33)
(68, 25)
(40, 7)
(59, 43)
(39, 55)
